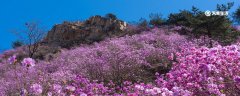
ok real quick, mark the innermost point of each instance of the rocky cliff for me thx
(94, 29)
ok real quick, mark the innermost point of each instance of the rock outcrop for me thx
(94, 29)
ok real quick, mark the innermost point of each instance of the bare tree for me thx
(32, 37)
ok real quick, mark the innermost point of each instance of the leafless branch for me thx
(32, 37)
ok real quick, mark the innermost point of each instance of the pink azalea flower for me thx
(28, 62)
(71, 88)
(37, 89)
(12, 59)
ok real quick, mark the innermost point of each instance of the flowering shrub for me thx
(127, 66)
(134, 58)
(81, 86)
(206, 71)
(37, 89)
(28, 62)
(20, 52)
(205, 41)
(12, 59)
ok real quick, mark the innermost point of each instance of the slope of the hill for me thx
(154, 63)
(134, 58)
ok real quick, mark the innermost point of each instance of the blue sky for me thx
(15, 13)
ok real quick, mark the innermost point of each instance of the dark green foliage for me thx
(225, 7)
(143, 23)
(181, 18)
(156, 19)
(236, 15)
(216, 27)
(17, 44)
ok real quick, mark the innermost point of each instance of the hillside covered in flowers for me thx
(187, 54)
(156, 62)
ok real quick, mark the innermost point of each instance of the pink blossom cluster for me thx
(37, 89)
(81, 86)
(206, 71)
(12, 59)
(28, 62)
